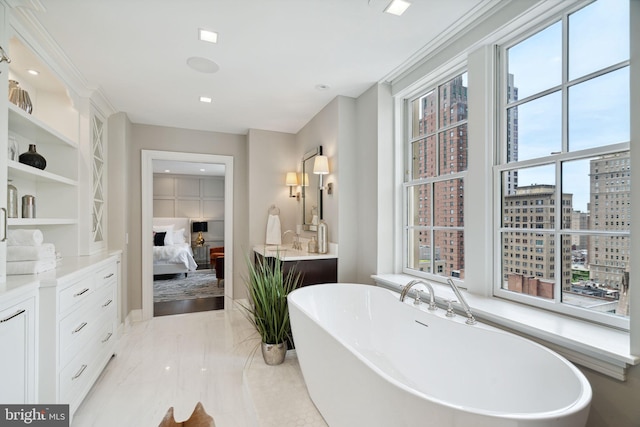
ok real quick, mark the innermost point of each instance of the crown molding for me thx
(462, 26)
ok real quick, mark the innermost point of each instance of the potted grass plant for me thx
(268, 286)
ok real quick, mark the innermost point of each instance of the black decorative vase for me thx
(32, 158)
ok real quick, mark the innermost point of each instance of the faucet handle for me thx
(416, 300)
(450, 312)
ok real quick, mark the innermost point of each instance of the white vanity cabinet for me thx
(77, 329)
(18, 322)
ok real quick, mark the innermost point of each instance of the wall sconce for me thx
(291, 181)
(321, 167)
(199, 227)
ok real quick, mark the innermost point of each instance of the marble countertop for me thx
(286, 252)
(16, 286)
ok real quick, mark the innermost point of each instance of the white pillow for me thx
(178, 237)
(168, 238)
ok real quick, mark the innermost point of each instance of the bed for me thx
(172, 252)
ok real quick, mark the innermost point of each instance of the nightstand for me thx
(201, 255)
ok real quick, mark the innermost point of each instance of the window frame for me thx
(501, 165)
(409, 183)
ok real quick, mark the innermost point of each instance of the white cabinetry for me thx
(77, 328)
(53, 128)
(18, 322)
(99, 181)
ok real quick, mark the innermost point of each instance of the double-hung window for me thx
(562, 178)
(434, 183)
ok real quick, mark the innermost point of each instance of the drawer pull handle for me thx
(80, 371)
(108, 276)
(85, 290)
(79, 328)
(107, 303)
(108, 337)
(16, 314)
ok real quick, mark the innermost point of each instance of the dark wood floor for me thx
(188, 306)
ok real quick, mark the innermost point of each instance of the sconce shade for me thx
(321, 165)
(292, 179)
(305, 180)
(198, 227)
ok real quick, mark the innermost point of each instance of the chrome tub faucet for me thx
(432, 296)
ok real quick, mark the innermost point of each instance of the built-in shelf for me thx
(35, 129)
(19, 170)
(41, 221)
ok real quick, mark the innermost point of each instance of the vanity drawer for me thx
(77, 376)
(76, 294)
(83, 326)
(106, 275)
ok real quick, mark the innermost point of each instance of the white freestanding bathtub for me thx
(370, 360)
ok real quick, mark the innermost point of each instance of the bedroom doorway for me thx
(173, 200)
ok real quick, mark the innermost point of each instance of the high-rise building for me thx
(529, 257)
(441, 152)
(610, 201)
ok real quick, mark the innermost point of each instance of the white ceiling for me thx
(272, 54)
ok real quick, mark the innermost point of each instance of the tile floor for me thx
(182, 359)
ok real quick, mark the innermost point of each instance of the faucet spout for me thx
(471, 320)
(432, 296)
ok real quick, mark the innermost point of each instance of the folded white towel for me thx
(31, 253)
(274, 236)
(30, 267)
(24, 237)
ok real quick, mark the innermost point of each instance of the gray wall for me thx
(145, 137)
(119, 134)
(270, 156)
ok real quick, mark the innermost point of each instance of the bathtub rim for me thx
(582, 401)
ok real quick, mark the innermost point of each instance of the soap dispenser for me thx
(313, 245)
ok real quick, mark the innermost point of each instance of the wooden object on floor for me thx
(219, 265)
(199, 418)
(167, 308)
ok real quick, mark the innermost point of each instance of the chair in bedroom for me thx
(216, 256)
(220, 269)
(215, 253)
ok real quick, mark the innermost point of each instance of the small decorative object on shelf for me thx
(13, 149)
(19, 97)
(12, 201)
(33, 158)
(28, 206)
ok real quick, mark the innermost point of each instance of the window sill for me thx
(596, 347)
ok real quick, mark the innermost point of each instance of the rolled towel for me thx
(30, 267)
(31, 253)
(24, 237)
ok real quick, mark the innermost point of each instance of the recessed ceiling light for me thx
(322, 87)
(203, 65)
(397, 7)
(207, 36)
(167, 170)
(201, 170)
(205, 99)
(33, 72)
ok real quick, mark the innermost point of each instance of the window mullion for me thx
(565, 90)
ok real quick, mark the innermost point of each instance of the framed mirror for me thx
(311, 193)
